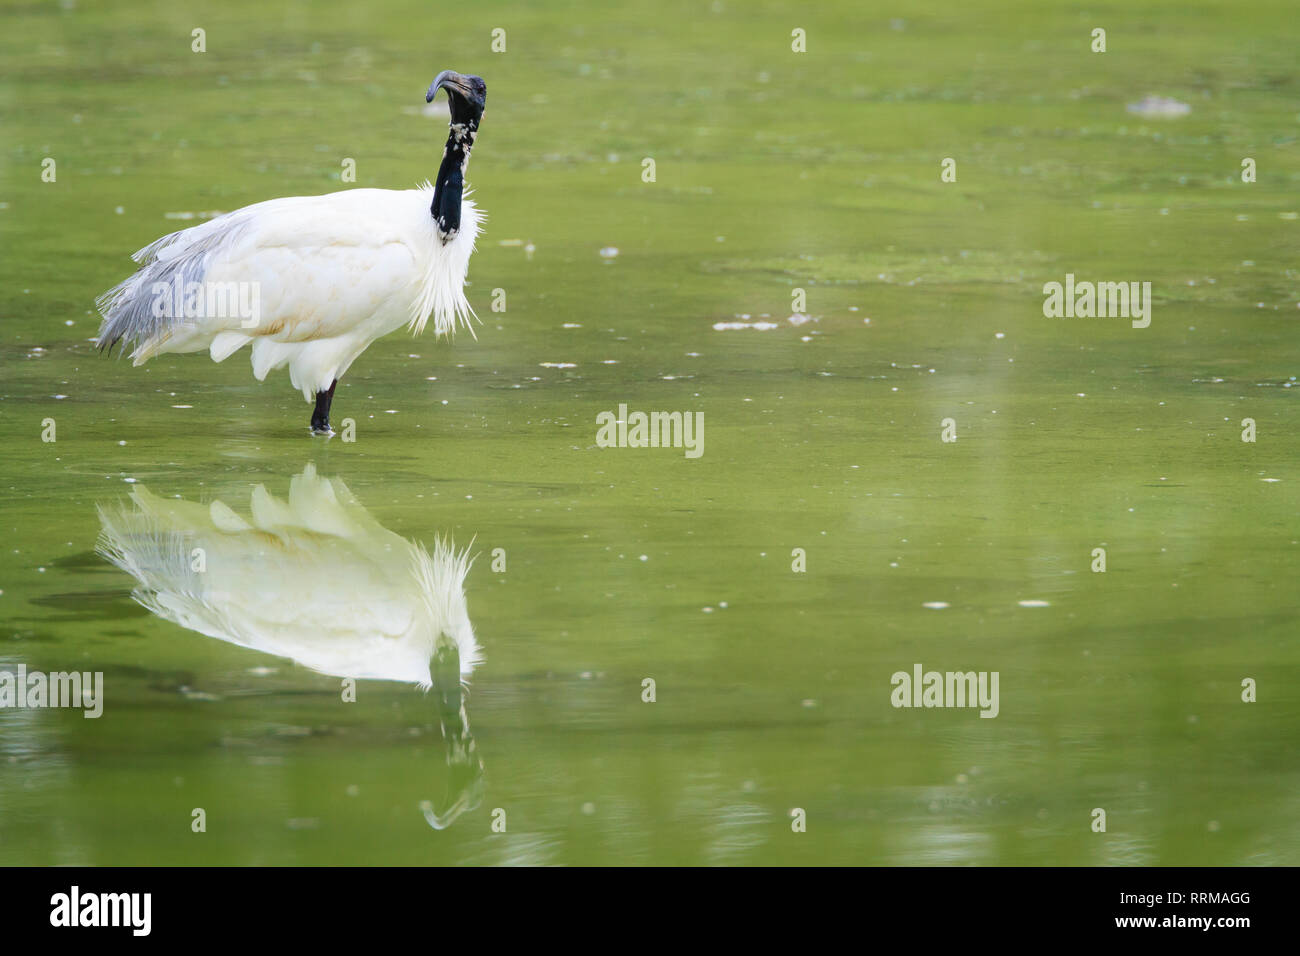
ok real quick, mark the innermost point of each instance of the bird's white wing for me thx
(348, 266)
(331, 265)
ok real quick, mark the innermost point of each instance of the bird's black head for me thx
(467, 96)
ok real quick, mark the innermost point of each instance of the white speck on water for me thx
(557, 365)
(732, 326)
(182, 406)
(571, 325)
(1159, 106)
(1033, 603)
(609, 252)
(935, 605)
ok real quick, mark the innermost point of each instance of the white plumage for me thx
(313, 578)
(310, 281)
(332, 273)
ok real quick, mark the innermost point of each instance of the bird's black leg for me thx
(320, 418)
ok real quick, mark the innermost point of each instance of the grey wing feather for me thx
(178, 258)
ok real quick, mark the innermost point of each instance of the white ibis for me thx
(311, 281)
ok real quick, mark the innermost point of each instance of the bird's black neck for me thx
(450, 184)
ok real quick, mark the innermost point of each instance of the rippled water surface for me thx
(599, 569)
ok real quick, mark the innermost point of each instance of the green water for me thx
(773, 171)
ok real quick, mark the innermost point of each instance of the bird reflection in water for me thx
(316, 579)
